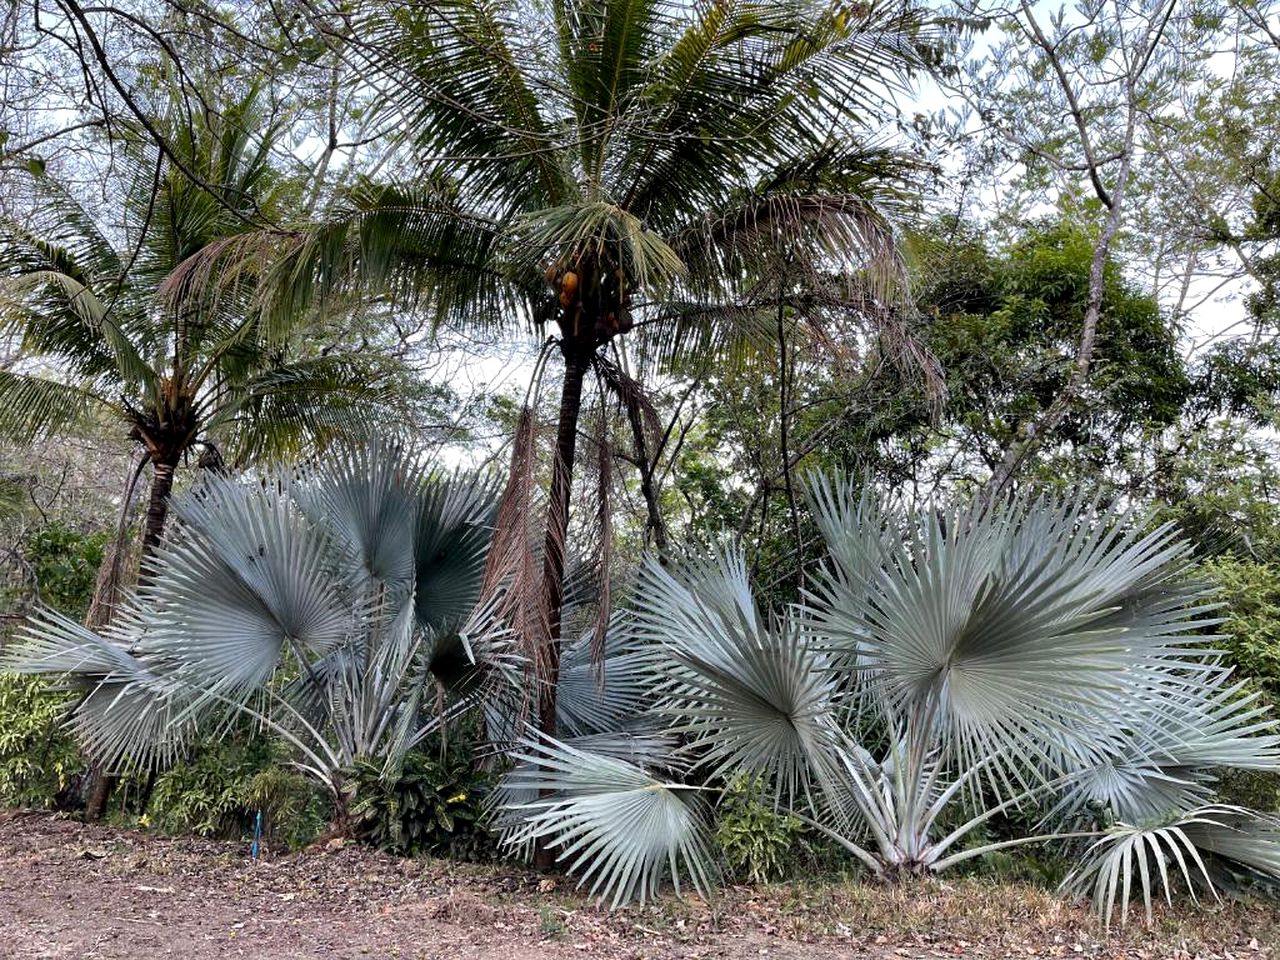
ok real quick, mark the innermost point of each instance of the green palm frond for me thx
(280, 411)
(413, 245)
(461, 88)
(750, 80)
(64, 307)
(34, 406)
(622, 830)
(596, 227)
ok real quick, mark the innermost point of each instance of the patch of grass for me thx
(550, 924)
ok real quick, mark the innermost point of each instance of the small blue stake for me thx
(257, 835)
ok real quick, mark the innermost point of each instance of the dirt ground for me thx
(68, 890)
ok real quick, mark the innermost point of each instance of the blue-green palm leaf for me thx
(619, 828)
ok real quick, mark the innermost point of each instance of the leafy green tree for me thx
(1004, 328)
(1001, 322)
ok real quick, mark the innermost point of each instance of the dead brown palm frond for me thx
(227, 264)
(513, 570)
(824, 231)
(634, 400)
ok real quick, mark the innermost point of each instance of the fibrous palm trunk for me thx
(157, 512)
(577, 357)
(577, 360)
(158, 507)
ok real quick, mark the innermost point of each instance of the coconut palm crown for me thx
(666, 171)
(98, 343)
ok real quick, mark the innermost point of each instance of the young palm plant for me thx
(335, 606)
(949, 666)
(601, 166)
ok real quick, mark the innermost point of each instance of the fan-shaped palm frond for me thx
(127, 713)
(604, 694)
(247, 583)
(753, 694)
(335, 606)
(618, 827)
(1045, 649)
(1141, 859)
(1012, 620)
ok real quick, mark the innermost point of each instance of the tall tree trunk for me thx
(157, 509)
(577, 359)
(646, 464)
(157, 512)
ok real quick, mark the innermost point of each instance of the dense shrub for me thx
(435, 805)
(220, 789)
(55, 564)
(758, 842)
(1250, 592)
(65, 563)
(38, 757)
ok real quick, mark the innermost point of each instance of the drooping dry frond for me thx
(513, 572)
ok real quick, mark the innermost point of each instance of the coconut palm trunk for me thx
(577, 360)
(577, 352)
(165, 466)
(158, 506)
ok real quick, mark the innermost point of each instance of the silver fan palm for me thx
(335, 605)
(950, 666)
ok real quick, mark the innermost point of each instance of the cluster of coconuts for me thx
(591, 290)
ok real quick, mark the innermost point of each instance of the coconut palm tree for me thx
(609, 171)
(80, 293)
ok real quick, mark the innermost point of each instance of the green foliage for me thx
(219, 789)
(1251, 594)
(37, 756)
(1005, 326)
(66, 564)
(434, 805)
(759, 843)
(53, 562)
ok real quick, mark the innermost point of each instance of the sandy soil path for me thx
(80, 892)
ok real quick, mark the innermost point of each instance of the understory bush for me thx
(758, 842)
(219, 790)
(38, 757)
(56, 565)
(432, 804)
(1250, 595)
